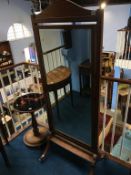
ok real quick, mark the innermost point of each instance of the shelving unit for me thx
(6, 58)
(108, 58)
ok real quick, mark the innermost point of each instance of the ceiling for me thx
(95, 2)
(45, 3)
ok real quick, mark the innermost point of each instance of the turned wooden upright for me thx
(2, 150)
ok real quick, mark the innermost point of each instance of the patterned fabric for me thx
(126, 151)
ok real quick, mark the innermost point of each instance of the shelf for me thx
(6, 58)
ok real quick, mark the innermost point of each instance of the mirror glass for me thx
(67, 59)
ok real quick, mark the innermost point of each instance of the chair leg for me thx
(57, 103)
(43, 156)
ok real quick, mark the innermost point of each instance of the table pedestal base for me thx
(33, 141)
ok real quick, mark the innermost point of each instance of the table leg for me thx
(34, 125)
(43, 156)
(71, 93)
(57, 103)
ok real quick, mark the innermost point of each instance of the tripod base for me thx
(33, 141)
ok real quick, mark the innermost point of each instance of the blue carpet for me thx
(75, 120)
(24, 161)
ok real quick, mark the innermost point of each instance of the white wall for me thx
(115, 17)
(50, 39)
(17, 11)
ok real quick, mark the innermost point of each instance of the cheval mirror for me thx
(68, 41)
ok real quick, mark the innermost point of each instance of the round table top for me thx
(56, 79)
(58, 75)
(29, 102)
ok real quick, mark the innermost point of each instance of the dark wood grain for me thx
(43, 74)
(96, 2)
(119, 80)
(66, 11)
(74, 149)
(52, 50)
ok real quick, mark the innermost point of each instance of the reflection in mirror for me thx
(67, 58)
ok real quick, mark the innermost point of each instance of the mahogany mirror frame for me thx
(70, 12)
